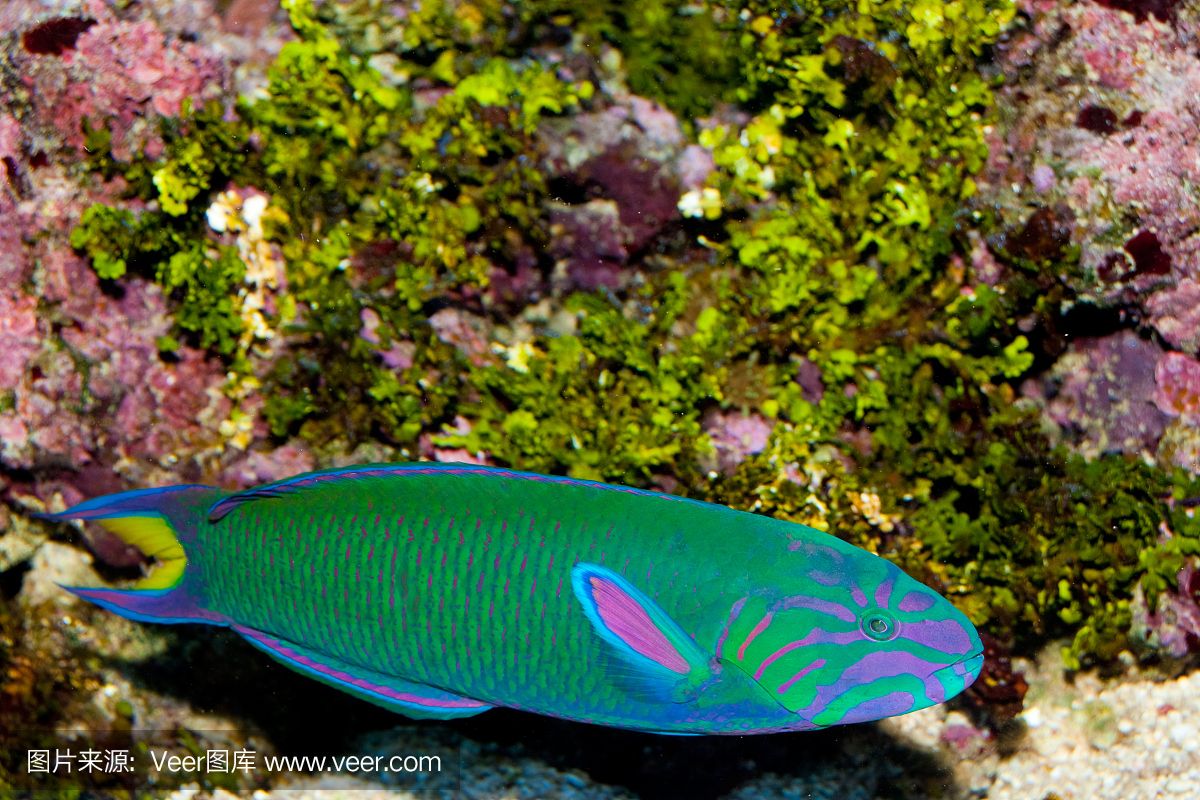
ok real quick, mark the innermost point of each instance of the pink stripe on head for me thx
(733, 615)
(816, 636)
(630, 623)
(759, 628)
(820, 662)
(947, 635)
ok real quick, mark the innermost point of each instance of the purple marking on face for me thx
(820, 662)
(630, 623)
(816, 636)
(944, 635)
(883, 594)
(889, 705)
(733, 615)
(820, 606)
(859, 597)
(825, 578)
(916, 601)
(872, 667)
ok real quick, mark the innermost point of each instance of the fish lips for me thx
(961, 674)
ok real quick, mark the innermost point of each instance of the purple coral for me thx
(1173, 626)
(1104, 390)
(1178, 391)
(1104, 117)
(736, 437)
(619, 172)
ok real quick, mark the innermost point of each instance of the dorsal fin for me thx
(222, 507)
(296, 483)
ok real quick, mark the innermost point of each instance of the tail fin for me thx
(160, 523)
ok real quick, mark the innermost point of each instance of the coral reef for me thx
(1099, 119)
(800, 263)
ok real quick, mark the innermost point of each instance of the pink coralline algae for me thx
(466, 331)
(18, 336)
(1178, 395)
(1176, 314)
(1102, 114)
(1173, 626)
(108, 368)
(258, 466)
(619, 172)
(96, 69)
(398, 355)
(1103, 391)
(84, 389)
(736, 437)
(1178, 392)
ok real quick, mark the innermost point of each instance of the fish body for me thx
(444, 590)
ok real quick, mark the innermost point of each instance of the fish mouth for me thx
(961, 673)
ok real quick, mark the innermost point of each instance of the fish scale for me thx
(494, 551)
(442, 590)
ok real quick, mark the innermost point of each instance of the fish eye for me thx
(879, 625)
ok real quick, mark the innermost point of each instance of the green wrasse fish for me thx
(443, 590)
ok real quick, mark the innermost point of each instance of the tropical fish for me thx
(443, 590)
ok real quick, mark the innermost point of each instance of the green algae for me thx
(351, 160)
(400, 154)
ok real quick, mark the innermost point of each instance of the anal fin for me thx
(412, 699)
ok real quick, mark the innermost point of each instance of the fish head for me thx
(847, 637)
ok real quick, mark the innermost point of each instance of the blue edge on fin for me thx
(297, 482)
(634, 665)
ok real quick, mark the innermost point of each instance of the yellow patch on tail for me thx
(154, 538)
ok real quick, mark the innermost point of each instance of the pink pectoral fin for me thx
(639, 631)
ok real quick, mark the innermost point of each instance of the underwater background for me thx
(925, 275)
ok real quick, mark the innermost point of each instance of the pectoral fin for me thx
(412, 699)
(657, 656)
